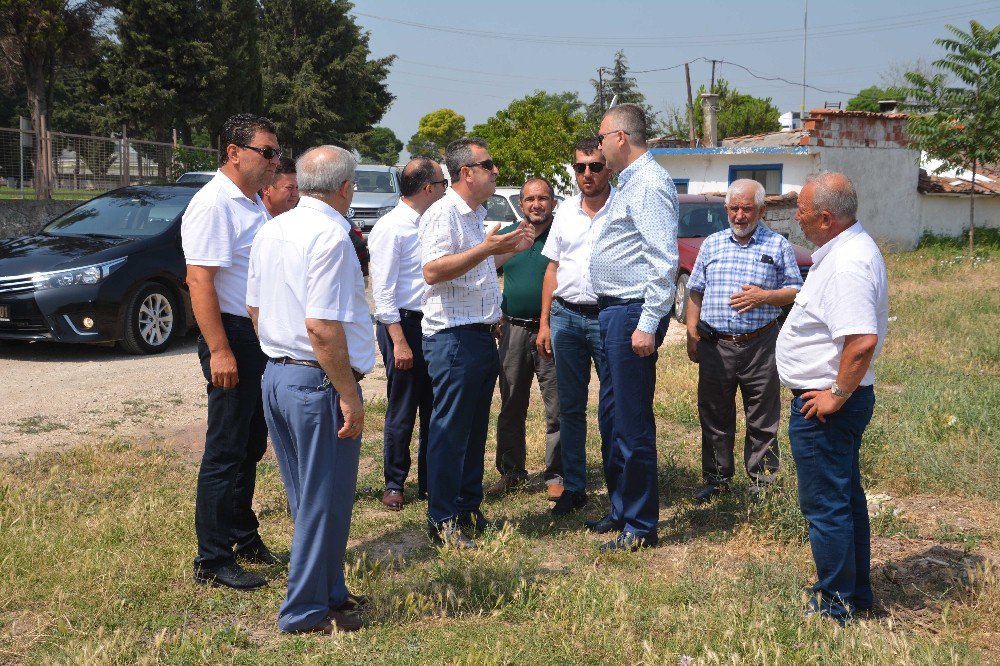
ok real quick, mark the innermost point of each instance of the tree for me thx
(615, 80)
(957, 120)
(378, 146)
(534, 136)
(320, 84)
(238, 85)
(868, 99)
(434, 132)
(738, 114)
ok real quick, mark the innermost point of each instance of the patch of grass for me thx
(34, 425)
(968, 539)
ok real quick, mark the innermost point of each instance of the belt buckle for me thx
(325, 384)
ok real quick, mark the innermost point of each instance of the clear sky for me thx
(477, 57)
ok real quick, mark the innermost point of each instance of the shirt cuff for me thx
(648, 322)
(388, 317)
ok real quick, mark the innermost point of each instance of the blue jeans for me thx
(464, 366)
(576, 341)
(833, 501)
(635, 500)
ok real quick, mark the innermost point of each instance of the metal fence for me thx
(75, 166)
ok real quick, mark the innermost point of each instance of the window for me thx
(768, 175)
(682, 185)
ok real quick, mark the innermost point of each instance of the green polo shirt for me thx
(522, 279)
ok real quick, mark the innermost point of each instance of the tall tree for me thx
(239, 84)
(739, 114)
(534, 136)
(434, 132)
(868, 99)
(377, 146)
(320, 83)
(957, 120)
(616, 81)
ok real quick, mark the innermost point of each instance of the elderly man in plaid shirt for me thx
(742, 277)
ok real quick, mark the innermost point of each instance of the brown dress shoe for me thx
(555, 491)
(505, 484)
(333, 622)
(393, 499)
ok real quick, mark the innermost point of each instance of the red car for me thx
(700, 216)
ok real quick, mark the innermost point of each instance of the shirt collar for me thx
(577, 201)
(459, 203)
(326, 209)
(233, 191)
(841, 238)
(407, 213)
(631, 169)
(755, 238)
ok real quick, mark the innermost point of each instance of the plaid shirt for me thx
(722, 268)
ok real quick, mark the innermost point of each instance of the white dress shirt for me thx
(396, 272)
(303, 265)
(571, 242)
(450, 226)
(217, 229)
(845, 293)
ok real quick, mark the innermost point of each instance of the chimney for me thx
(888, 106)
(710, 129)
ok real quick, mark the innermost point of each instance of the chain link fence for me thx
(76, 166)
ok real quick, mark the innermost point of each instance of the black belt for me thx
(486, 328)
(411, 314)
(747, 336)
(608, 301)
(284, 360)
(236, 319)
(530, 324)
(798, 392)
(586, 309)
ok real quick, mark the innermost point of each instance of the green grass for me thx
(61, 194)
(96, 543)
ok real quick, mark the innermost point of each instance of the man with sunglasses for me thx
(217, 231)
(632, 269)
(461, 308)
(397, 288)
(569, 331)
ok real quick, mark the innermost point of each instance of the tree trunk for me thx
(972, 212)
(37, 106)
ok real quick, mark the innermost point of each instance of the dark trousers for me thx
(407, 392)
(635, 500)
(576, 341)
(519, 363)
(463, 366)
(723, 367)
(320, 472)
(834, 503)
(234, 443)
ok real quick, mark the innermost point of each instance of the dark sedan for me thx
(109, 270)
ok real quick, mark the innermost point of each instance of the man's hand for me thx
(643, 344)
(528, 239)
(223, 366)
(354, 416)
(543, 341)
(497, 243)
(751, 297)
(692, 345)
(402, 355)
(820, 404)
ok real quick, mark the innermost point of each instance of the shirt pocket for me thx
(765, 275)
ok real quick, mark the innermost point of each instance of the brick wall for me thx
(856, 129)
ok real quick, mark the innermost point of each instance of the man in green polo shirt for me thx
(519, 358)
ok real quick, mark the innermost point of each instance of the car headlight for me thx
(72, 276)
(384, 210)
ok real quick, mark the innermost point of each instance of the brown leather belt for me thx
(284, 360)
(748, 336)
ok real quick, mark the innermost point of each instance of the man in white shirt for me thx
(461, 308)
(281, 194)
(569, 330)
(397, 287)
(217, 229)
(306, 296)
(825, 354)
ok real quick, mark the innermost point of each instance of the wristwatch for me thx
(839, 392)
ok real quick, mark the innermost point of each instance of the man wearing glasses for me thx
(397, 289)
(461, 308)
(632, 269)
(218, 229)
(740, 280)
(569, 331)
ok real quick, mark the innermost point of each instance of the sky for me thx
(477, 57)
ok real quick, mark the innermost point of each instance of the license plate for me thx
(4, 313)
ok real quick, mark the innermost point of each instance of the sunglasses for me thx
(595, 167)
(443, 181)
(486, 164)
(266, 153)
(601, 137)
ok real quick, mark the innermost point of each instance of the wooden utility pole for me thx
(600, 88)
(687, 77)
(711, 86)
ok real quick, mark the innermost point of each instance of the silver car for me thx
(376, 192)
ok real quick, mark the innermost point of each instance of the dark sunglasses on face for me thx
(486, 164)
(266, 153)
(443, 181)
(595, 167)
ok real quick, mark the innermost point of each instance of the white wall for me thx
(710, 173)
(948, 215)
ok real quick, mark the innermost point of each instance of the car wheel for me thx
(681, 298)
(150, 320)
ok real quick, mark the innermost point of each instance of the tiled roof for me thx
(776, 139)
(855, 114)
(987, 183)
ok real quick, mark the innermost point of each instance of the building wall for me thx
(948, 215)
(19, 217)
(710, 173)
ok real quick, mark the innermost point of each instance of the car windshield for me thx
(380, 182)
(701, 219)
(131, 213)
(192, 177)
(498, 209)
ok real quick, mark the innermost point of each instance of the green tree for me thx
(868, 99)
(237, 84)
(534, 136)
(320, 83)
(615, 81)
(957, 120)
(377, 146)
(434, 132)
(738, 114)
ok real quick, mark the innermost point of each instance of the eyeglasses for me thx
(443, 181)
(489, 165)
(600, 137)
(595, 167)
(749, 210)
(266, 153)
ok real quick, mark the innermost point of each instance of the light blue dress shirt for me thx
(635, 253)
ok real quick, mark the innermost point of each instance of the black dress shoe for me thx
(568, 502)
(603, 526)
(708, 491)
(630, 542)
(229, 575)
(258, 553)
(450, 533)
(475, 521)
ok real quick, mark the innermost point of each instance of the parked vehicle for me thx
(376, 192)
(111, 269)
(504, 206)
(699, 217)
(201, 177)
